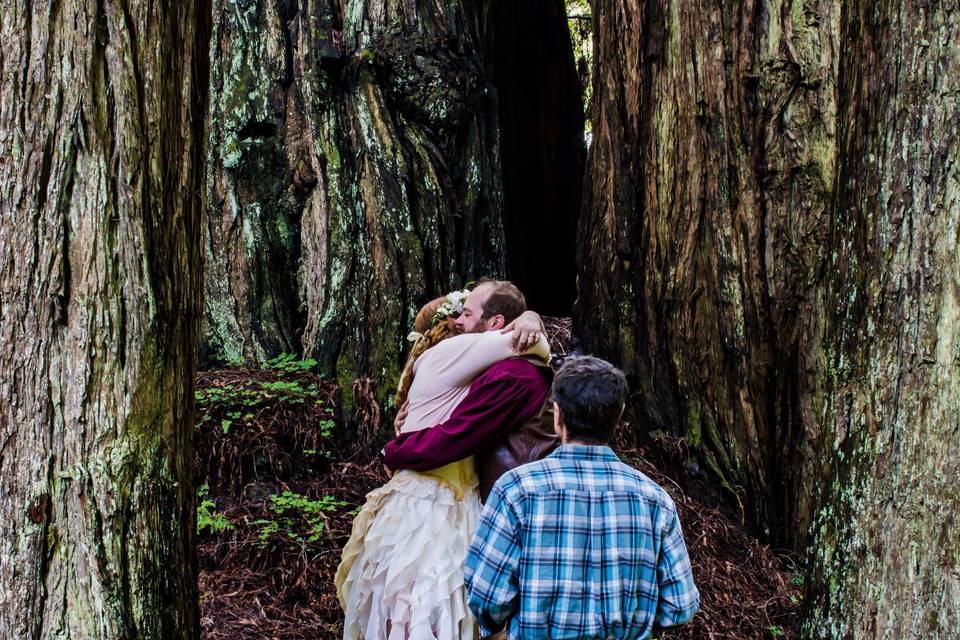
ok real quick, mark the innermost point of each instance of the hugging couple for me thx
(569, 541)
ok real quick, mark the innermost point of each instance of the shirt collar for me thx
(585, 452)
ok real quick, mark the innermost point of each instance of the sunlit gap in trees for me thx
(580, 23)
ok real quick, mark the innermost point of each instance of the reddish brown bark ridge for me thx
(101, 140)
(705, 221)
(769, 248)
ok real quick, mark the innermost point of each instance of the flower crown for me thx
(452, 306)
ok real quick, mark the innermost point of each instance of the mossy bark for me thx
(354, 173)
(101, 135)
(704, 227)
(769, 247)
(885, 559)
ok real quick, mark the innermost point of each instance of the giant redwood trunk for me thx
(353, 173)
(705, 216)
(885, 560)
(769, 246)
(101, 158)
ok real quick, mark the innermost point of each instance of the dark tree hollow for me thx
(529, 60)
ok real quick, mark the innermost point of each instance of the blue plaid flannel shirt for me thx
(579, 545)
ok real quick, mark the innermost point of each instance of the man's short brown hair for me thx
(504, 299)
(590, 393)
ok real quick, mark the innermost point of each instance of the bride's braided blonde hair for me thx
(432, 334)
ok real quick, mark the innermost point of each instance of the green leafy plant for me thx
(775, 630)
(300, 519)
(235, 360)
(796, 575)
(268, 529)
(208, 518)
(295, 393)
(238, 404)
(212, 396)
(309, 510)
(289, 363)
(326, 428)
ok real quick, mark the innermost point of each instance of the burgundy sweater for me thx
(501, 399)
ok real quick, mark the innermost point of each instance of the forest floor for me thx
(281, 477)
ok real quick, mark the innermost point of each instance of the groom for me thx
(506, 419)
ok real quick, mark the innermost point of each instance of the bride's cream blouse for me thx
(442, 378)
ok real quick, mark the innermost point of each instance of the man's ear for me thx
(497, 322)
(558, 426)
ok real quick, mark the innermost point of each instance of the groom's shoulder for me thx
(519, 369)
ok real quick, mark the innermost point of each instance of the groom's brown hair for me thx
(505, 299)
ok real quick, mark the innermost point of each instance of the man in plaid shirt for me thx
(580, 545)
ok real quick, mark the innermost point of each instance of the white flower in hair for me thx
(452, 306)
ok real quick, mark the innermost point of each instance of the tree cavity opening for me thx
(531, 62)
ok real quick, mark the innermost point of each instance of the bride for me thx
(401, 574)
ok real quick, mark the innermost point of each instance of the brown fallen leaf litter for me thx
(281, 476)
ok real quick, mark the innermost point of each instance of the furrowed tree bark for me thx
(704, 227)
(885, 562)
(779, 216)
(354, 173)
(101, 160)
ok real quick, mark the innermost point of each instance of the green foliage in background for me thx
(579, 20)
(298, 518)
(208, 518)
(289, 363)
